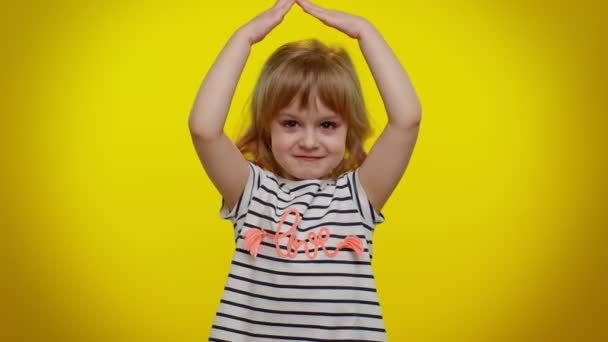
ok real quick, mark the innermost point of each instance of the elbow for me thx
(201, 131)
(205, 137)
(416, 115)
(195, 126)
(409, 122)
(193, 123)
(414, 118)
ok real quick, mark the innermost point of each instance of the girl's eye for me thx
(289, 123)
(329, 125)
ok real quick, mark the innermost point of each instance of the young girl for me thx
(306, 201)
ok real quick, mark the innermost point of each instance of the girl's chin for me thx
(305, 170)
(300, 174)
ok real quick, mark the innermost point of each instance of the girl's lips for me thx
(308, 157)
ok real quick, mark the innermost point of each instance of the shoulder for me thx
(257, 176)
(359, 195)
(257, 171)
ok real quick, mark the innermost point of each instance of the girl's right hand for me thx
(257, 28)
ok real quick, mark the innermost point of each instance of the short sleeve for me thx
(241, 206)
(369, 214)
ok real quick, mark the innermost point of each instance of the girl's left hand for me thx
(349, 24)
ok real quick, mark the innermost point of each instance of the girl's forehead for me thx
(312, 106)
(308, 114)
(313, 117)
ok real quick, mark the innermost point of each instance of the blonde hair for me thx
(306, 69)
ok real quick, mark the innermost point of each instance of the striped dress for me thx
(302, 266)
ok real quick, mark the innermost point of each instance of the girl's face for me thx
(308, 143)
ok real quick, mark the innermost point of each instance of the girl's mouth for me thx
(308, 158)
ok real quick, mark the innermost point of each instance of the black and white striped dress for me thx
(284, 294)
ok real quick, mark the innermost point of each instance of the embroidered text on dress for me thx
(254, 237)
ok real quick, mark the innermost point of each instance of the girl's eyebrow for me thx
(288, 115)
(323, 118)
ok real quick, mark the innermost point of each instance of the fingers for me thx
(283, 6)
(307, 5)
(313, 9)
(342, 21)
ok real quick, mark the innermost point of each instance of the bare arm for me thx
(389, 156)
(216, 151)
(223, 162)
(387, 160)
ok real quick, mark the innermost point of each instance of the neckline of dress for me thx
(288, 184)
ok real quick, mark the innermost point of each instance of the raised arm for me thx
(388, 158)
(223, 162)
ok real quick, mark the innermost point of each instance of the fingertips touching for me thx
(308, 6)
(285, 7)
(286, 3)
(279, 3)
(306, 3)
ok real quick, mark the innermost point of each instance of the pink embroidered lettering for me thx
(254, 237)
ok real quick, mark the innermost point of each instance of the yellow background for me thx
(110, 228)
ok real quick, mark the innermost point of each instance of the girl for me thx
(306, 200)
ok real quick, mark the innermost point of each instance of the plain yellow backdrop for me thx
(110, 227)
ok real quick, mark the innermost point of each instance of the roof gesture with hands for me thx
(388, 158)
(258, 27)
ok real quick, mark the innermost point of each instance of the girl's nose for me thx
(309, 140)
